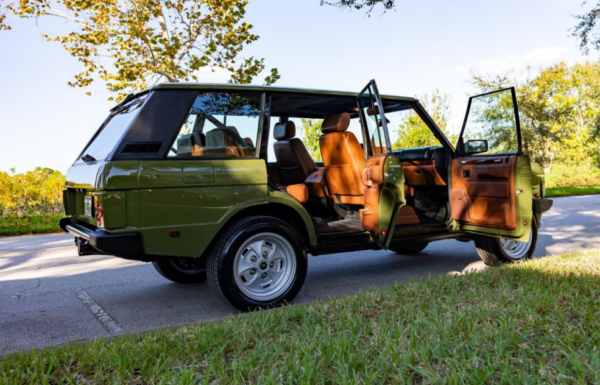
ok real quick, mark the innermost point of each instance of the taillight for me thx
(99, 211)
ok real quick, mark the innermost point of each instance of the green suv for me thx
(210, 182)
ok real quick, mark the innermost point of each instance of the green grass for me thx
(29, 224)
(572, 191)
(536, 322)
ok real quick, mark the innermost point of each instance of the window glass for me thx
(408, 130)
(220, 124)
(376, 136)
(112, 131)
(309, 131)
(492, 119)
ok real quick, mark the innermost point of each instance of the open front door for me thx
(491, 178)
(383, 179)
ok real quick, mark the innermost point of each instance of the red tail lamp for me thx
(99, 215)
(383, 232)
(99, 211)
(525, 223)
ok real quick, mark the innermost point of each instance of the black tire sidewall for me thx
(226, 257)
(166, 268)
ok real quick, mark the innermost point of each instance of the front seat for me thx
(293, 160)
(344, 160)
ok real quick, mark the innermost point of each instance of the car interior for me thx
(342, 192)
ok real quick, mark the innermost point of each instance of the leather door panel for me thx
(422, 173)
(483, 191)
(373, 182)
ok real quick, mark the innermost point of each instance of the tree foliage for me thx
(310, 133)
(587, 29)
(129, 44)
(367, 5)
(34, 192)
(559, 112)
(413, 132)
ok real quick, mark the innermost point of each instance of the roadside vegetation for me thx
(29, 224)
(535, 322)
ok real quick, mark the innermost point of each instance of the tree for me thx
(587, 29)
(413, 132)
(369, 5)
(35, 192)
(310, 133)
(559, 112)
(129, 44)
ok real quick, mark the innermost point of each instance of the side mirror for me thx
(476, 146)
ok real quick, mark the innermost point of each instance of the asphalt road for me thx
(49, 295)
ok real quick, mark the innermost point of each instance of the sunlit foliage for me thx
(559, 112)
(310, 133)
(130, 44)
(413, 132)
(34, 192)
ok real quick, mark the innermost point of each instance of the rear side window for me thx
(111, 133)
(220, 125)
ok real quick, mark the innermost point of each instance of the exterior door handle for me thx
(387, 174)
(519, 191)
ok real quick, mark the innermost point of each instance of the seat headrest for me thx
(336, 123)
(285, 130)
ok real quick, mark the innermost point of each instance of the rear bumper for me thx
(124, 245)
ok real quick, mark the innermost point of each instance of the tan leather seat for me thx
(293, 160)
(343, 159)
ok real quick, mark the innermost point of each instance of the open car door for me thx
(383, 179)
(490, 189)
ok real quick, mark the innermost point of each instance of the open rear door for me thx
(383, 179)
(491, 178)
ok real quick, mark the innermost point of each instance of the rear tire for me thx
(410, 248)
(496, 251)
(258, 262)
(182, 270)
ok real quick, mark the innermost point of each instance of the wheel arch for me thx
(281, 211)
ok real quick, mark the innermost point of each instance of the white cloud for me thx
(541, 57)
(210, 75)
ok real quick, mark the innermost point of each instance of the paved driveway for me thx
(49, 295)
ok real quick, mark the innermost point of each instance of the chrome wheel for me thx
(516, 250)
(264, 266)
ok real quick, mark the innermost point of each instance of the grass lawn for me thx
(572, 191)
(537, 322)
(30, 224)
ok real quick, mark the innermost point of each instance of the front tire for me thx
(182, 270)
(496, 251)
(258, 262)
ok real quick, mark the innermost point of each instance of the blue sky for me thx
(411, 51)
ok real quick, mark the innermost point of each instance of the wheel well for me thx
(277, 210)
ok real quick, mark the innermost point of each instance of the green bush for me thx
(566, 176)
(29, 224)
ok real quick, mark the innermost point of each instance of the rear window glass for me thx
(220, 124)
(112, 131)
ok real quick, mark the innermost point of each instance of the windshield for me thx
(112, 131)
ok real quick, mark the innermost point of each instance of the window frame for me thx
(460, 150)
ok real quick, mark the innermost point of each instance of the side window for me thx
(220, 124)
(492, 122)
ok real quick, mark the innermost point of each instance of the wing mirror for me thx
(476, 146)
